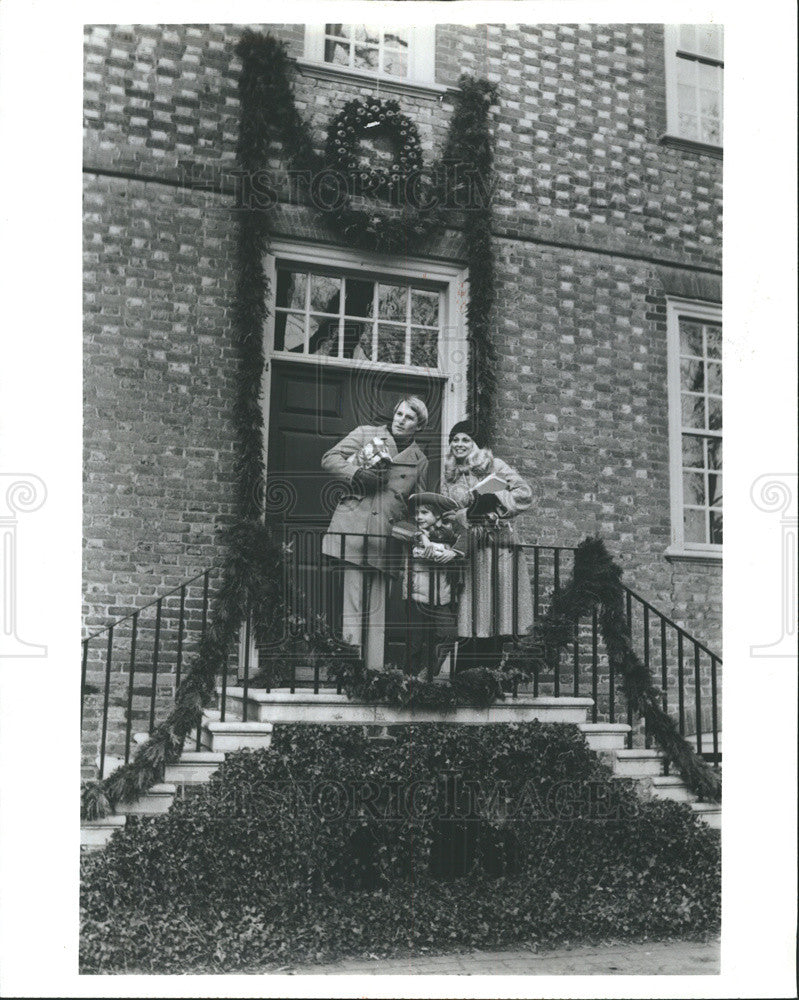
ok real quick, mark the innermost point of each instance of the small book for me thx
(486, 503)
(491, 484)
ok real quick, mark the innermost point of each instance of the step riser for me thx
(713, 819)
(605, 742)
(189, 774)
(638, 768)
(677, 793)
(147, 805)
(325, 713)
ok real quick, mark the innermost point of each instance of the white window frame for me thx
(453, 343)
(421, 76)
(703, 312)
(673, 53)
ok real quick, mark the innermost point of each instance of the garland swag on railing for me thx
(596, 583)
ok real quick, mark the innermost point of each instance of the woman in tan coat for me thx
(486, 612)
(362, 521)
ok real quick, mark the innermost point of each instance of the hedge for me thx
(329, 844)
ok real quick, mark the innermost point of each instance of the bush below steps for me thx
(331, 844)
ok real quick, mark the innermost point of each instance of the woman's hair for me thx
(418, 408)
(479, 461)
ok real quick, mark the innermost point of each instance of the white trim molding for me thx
(702, 312)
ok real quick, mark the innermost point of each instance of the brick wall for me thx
(594, 217)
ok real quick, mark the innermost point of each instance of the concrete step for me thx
(708, 812)
(225, 737)
(637, 763)
(95, 833)
(194, 767)
(329, 708)
(604, 736)
(155, 801)
(671, 786)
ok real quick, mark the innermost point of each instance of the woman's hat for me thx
(435, 500)
(467, 427)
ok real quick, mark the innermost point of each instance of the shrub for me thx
(331, 844)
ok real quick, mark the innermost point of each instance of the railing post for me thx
(647, 740)
(595, 662)
(364, 608)
(697, 700)
(714, 710)
(246, 689)
(494, 556)
(680, 684)
(205, 604)
(181, 619)
(83, 662)
(103, 735)
(536, 582)
(156, 645)
(131, 673)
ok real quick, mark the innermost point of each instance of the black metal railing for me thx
(131, 669)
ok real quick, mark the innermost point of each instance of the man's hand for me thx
(446, 556)
(366, 481)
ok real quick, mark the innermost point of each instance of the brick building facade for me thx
(601, 220)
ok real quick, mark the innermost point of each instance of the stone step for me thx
(233, 734)
(604, 736)
(637, 763)
(671, 786)
(95, 833)
(194, 767)
(329, 708)
(708, 812)
(155, 801)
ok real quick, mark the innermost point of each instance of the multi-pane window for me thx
(348, 316)
(402, 54)
(696, 414)
(371, 47)
(694, 82)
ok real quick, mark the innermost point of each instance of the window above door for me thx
(397, 57)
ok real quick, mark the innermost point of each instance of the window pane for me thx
(709, 103)
(392, 302)
(711, 131)
(395, 63)
(714, 489)
(424, 308)
(396, 37)
(342, 30)
(358, 297)
(690, 338)
(358, 341)
(686, 98)
(710, 40)
(391, 343)
(337, 52)
(323, 336)
(713, 335)
(713, 414)
(692, 451)
(693, 411)
(289, 332)
(716, 532)
(714, 453)
(694, 523)
(324, 293)
(688, 37)
(709, 77)
(424, 347)
(369, 33)
(686, 71)
(688, 126)
(366, 58)
(290, 291)
(692, 376)
(693, 488)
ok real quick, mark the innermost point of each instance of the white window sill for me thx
(711, 556)
(692, 145)
(413, 88)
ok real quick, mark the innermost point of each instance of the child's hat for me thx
(437, 501)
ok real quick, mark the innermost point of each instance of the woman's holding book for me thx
(490, 494)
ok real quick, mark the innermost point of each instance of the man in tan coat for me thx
(362, 521)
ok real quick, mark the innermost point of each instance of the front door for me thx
(311, 408)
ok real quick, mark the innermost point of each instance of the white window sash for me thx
(421, 55)
(704, 312)
(672, 48)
